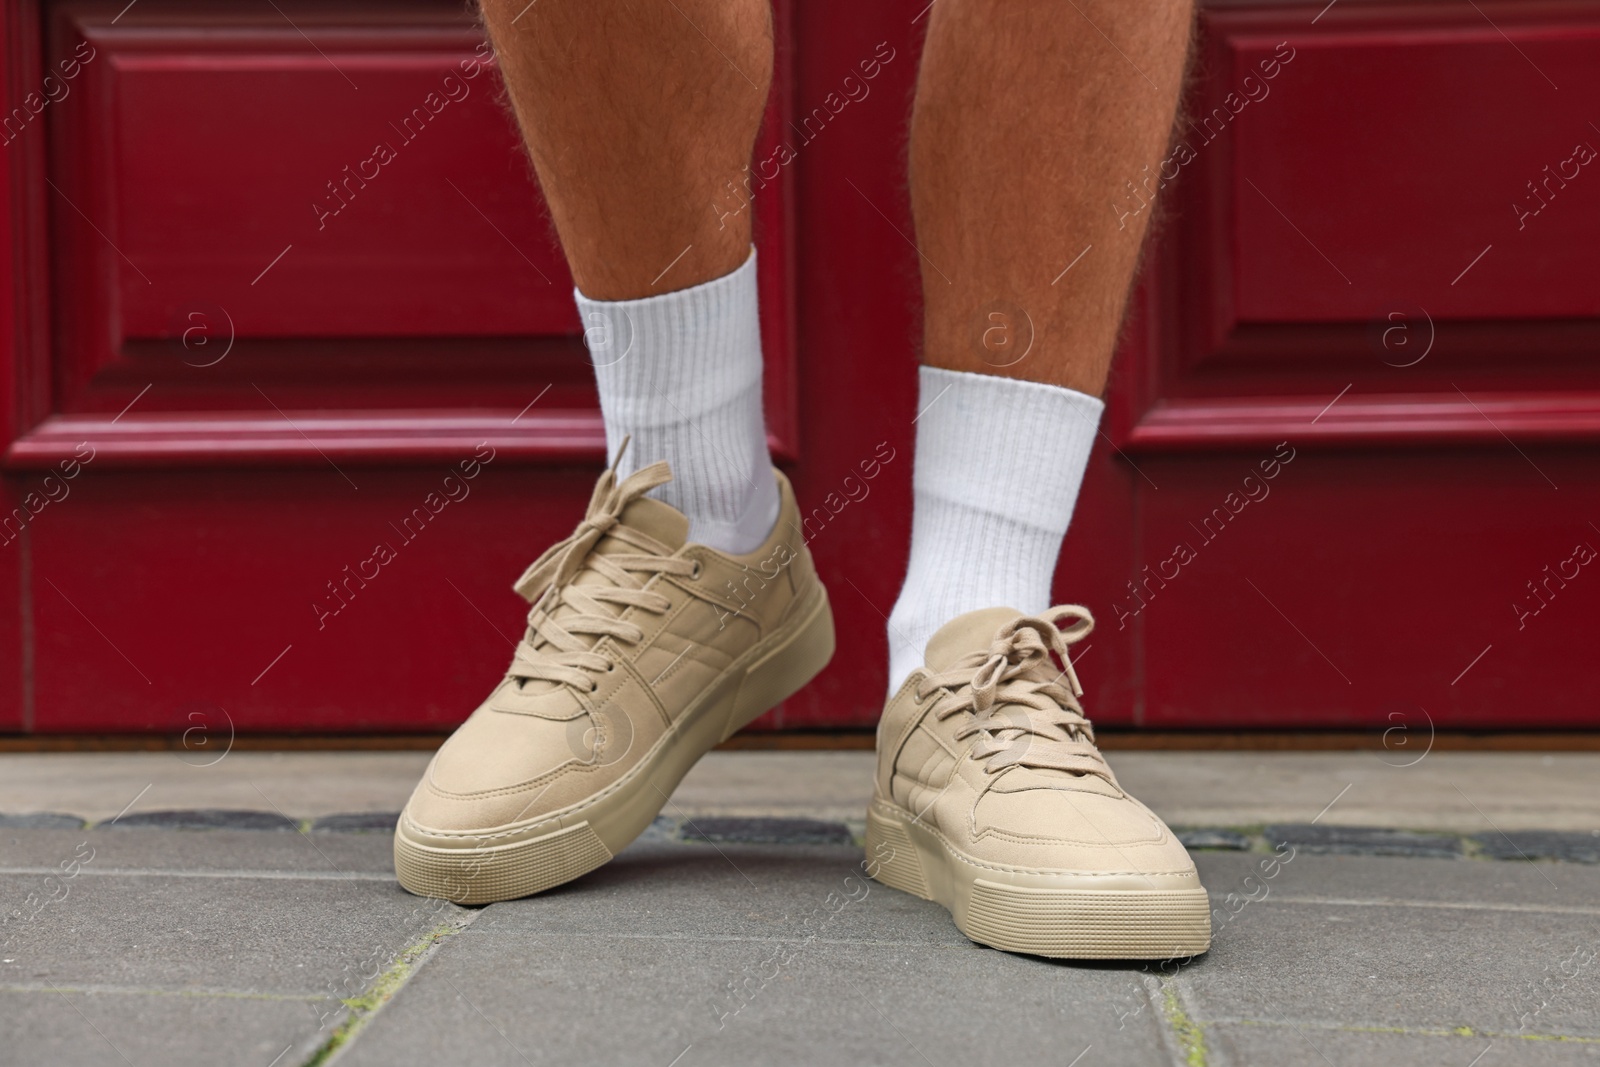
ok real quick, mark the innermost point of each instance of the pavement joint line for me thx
(1473, 1032)
(1166, 1033)
(1188, 1031)
(172, 872)
(371, 1001)
(1445, 905)
(147, 991)
(375, 876)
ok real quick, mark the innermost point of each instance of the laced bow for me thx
(1018, 704)
(555, 650)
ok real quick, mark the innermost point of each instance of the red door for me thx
(294, 389)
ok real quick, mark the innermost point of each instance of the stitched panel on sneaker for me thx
(1067, 815)
(918, 755)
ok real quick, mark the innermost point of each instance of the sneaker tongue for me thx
(965, 634)
(661, 521)
(657, 519)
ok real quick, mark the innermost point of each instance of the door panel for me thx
(315, 240)
(1373, 238)
(1366, 407)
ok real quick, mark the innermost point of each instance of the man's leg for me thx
(637, 117)
(1031, 116)
(656, 630)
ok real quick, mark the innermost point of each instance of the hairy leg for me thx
(1030, 117)
(637, 115)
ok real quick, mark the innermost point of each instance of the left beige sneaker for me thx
(643, 651)
(993, 800)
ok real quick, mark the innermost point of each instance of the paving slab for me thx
(1398, 968)
(666, 890)
(99, 785)
(212, 851)
(70, 1027)
(747, 953)
(1360, 944)
(1308, 1043)
(690, 954)
(231, 942)
(234, 936)
(1462, 792)
(1404, 944)
(754, 954)
(1438, 883)
(243, 934)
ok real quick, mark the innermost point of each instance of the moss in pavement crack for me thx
(1190, 1033)
(385, 986)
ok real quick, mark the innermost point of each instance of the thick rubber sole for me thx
(589, 834)
(1037, 913)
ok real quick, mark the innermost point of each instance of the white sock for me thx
(681, 373)
(998, 466)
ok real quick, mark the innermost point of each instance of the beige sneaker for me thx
(992, 799)
(641, 653)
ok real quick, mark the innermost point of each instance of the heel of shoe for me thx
(786, 668)
(892, 858)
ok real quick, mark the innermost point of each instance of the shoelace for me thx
(554, 651)
(1016, 699)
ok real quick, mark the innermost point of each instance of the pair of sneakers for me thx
(643, 651)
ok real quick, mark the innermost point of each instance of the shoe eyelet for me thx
(610, 667)
(694, 575)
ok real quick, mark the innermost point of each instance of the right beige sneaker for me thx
(993, 800)
(642, 652)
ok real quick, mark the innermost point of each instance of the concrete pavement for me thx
(1406, 929)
